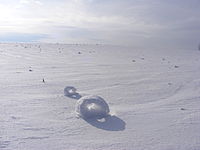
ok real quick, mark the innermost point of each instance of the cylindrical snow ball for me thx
(92, 107)
(69, 91)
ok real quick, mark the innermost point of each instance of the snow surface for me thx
(153, 95)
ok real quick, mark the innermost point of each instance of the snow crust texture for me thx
(92, 107)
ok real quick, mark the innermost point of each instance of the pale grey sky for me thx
(139, 23)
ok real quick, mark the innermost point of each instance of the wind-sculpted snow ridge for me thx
(92, 107)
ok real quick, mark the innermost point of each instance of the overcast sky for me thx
(139, 23)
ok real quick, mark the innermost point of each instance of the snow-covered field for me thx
(153, 96)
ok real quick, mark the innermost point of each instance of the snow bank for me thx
(92, 107)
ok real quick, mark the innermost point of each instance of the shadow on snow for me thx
(110, 123)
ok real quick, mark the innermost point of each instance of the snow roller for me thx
(70, 91)
(92, 107)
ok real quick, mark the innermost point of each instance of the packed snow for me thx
(153, 97)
